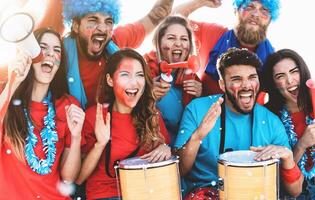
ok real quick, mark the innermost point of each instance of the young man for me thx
(244, 123)
(253, 19)
(93, 38)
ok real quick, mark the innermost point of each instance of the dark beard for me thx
(84, 44)
(232, 99)
(249, 36)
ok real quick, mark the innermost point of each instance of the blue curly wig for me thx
(79, 8)
(272, 5)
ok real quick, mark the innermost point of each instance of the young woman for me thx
(131, 125)
(42, 126)
(284, 78)
(174, 43)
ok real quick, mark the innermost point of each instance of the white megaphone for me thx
(18, 29)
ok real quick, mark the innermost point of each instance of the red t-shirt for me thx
(124, 142)
(130, 35)
(298, 120)
(17, 179)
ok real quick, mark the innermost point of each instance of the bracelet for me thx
(290, 175)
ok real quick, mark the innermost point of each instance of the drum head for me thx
(137, 163)
(242, 158)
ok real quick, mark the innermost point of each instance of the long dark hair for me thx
(15, 122)
(276, 100)
(145, 117)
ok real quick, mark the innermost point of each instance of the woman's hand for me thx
(75, 118)
(160, 88)
(102, 130)
(160, 153)
(20, 66)
(193, 87)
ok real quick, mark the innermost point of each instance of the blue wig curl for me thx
(79, 8)
(272, 5)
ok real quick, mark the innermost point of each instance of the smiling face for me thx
(175, 44)
(46, 69)
(94, 31)
(253, 23)
(128, 84)
(286, 76)
(241, 85)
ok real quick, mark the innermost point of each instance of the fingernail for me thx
(105, 105)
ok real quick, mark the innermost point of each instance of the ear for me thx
(75, 26)
(222, 85)
(109, 80)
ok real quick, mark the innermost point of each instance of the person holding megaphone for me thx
(41, 135)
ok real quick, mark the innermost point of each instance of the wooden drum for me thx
(241, 177)
(140, 180)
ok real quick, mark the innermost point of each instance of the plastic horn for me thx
(310, 83)
(192, 63)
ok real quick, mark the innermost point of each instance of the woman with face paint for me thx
(284, 78)
(174, 43)
(125, 123)
(41, 135)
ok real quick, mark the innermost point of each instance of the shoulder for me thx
(265, 114)
(199, 103)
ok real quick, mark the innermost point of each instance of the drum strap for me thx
(108, 150)
(222, 128)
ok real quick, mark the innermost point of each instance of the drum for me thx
(140, 180)
(241, 177)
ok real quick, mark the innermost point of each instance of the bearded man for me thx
(233, 121)
(93, 38)
(253, 19)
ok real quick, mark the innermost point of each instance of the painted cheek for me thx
(235, 87)
(57, 59)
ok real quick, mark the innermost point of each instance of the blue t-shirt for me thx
(267, 129)
(172, 108)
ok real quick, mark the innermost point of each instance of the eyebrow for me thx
(293, 69)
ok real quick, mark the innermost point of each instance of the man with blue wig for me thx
(253, 19)
(93, 39)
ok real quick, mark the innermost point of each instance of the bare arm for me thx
(71, 158)
(186, 9)
(307, 140)
(188, 153)
(287, 162)
(102, 133)
(160, 10)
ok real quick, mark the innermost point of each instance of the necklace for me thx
(49, 137)
(289, 127)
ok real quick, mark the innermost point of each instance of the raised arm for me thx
(160, 10)
(188, 153)
(187, 8)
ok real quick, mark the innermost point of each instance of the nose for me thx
(289, 79)
(102, 27)
(48, 52)
(246, 84)
(177, 42)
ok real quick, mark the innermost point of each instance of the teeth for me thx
(49, 63)
(292, 88)
(132, 90)
(99, 38)
(177, 51)
(246, 95)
